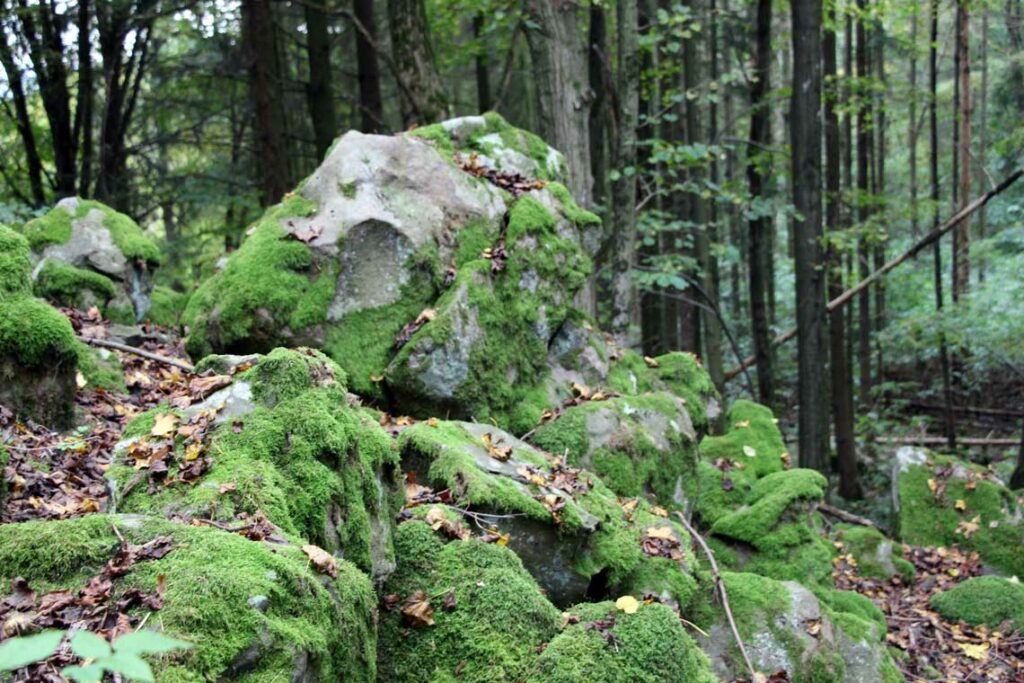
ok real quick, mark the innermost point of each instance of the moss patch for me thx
(15, 265)
(55, 228)
(753, 438)
(67, 285)
(988, 600)
(875, 555)
(166, 306)
(649, 646)
(35, 334)
(101, 369)
(498, 625)
(210, 577)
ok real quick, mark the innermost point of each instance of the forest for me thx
(512, 340)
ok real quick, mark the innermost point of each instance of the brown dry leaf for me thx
(968, 529)
(659, 511)
(651, 363)
(813, 627)
(580, 390)
(417, 610)
(164, 424)
(665, 532)
(322, 560)
(228, 487)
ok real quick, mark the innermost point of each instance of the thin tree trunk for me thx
(597, 49)
(805, 140)
(863, 208)
(842, 397)
(963, 231)
(482, 65)
(760, 225)
(912, 128)
(371, 109)
(265, 86)
(86, 97)
(320, 90)
(949, 426)
(1017, 478)
(983, 131)
(423, 100)
(24, 123)
(878, 254)
(625, 322)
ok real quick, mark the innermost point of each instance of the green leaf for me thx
(88, 645)
(93, 673)
(18, 652)
(131, 666)
(148, 642)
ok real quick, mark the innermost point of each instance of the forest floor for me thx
(53, 475)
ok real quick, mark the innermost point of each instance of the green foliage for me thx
(16, 653)
(988, 600)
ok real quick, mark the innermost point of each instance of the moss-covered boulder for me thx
(602, 644)
(572, 533)
(253, 611)
(876, 556)
(777, 532)
(638, 445)
(941, 501)
(425, 280)
(480, 617)
(281, 441)
(837, 638)
(87, 254)
(988, 600)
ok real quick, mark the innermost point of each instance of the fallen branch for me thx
(720, 585)
(935, 234)
(939, 440)
(138, 352)
(845, 516)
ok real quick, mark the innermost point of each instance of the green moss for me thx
(778, 523)
(850, 602)
(269, 284)
(319, 470)
(496, 629)
(753, 438)
(35, 334)
(628, 460)
(684, 375)
(649, 646)
(988, 600)
(867, 546)
(166, 306)
(209, 578)
(15, 265)
(55, 228)
(924, 520)
(437, 136)
(348, 190)
(101, 369)
(825, 666)
(719, 492)
(66, 285)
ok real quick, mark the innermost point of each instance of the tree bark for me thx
(912, 127)
(320, 90)
(863, 209)
(482, 66)
(963, 231)
(265, 86)
(983, 131)
(625, 322)
(597, 49)
(878, 252)
(371, 109)
(759, 226)
(83, 133)
(805, 139)
(559, 55)
(839, 370)
(423, 100)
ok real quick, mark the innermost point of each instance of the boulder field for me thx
(521, 520)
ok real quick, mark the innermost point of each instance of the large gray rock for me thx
(87, 254)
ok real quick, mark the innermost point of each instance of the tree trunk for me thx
(878, 254)
(760, 225)
(842, 397)
(371, 109)
(983, 131)
(597, 49)
(265, 87)
(625, 322)
(559, 56)
(86, 96)
(423, 100)
(24, 124)
(863, 209)
(320, 91)
(805, 140)
(481, 63)
(912, 128)
(963, 231)
(1017, 478)
(949, 426)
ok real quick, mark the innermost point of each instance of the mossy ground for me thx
(865, 543)
(209, 578)
(499, 623)
(319, 470)
(927, 520)
(649, 646)
(55, 228)
(100, 369)
(15, 264)
(988, 600)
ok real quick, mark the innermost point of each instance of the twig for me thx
(138, 352)
(846, 516)
(721, 591)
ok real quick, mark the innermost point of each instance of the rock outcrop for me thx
(86, 254)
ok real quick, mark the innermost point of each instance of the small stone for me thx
(259, 602)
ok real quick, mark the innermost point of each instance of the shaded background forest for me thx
(677, 120)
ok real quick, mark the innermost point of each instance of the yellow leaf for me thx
(164, 424)
(193, 451)
(979, 652)
(80, 380)
(742, 423)
(961, 504)
(661, 532)
(433, 422)
(749, 451)
(932, 485)
(651, 363)
(627, 604)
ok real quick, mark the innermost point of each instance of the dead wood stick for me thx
(938, 440)
(935, 234)
(846, 516)
(720, 585)
(138, 352)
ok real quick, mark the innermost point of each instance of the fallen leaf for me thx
(627, 604)
(651, 363)
(979, 651)
(322, 560)
(749, 451)
(960, 504)
(80, 381)
(417, 610)
(164, 424)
